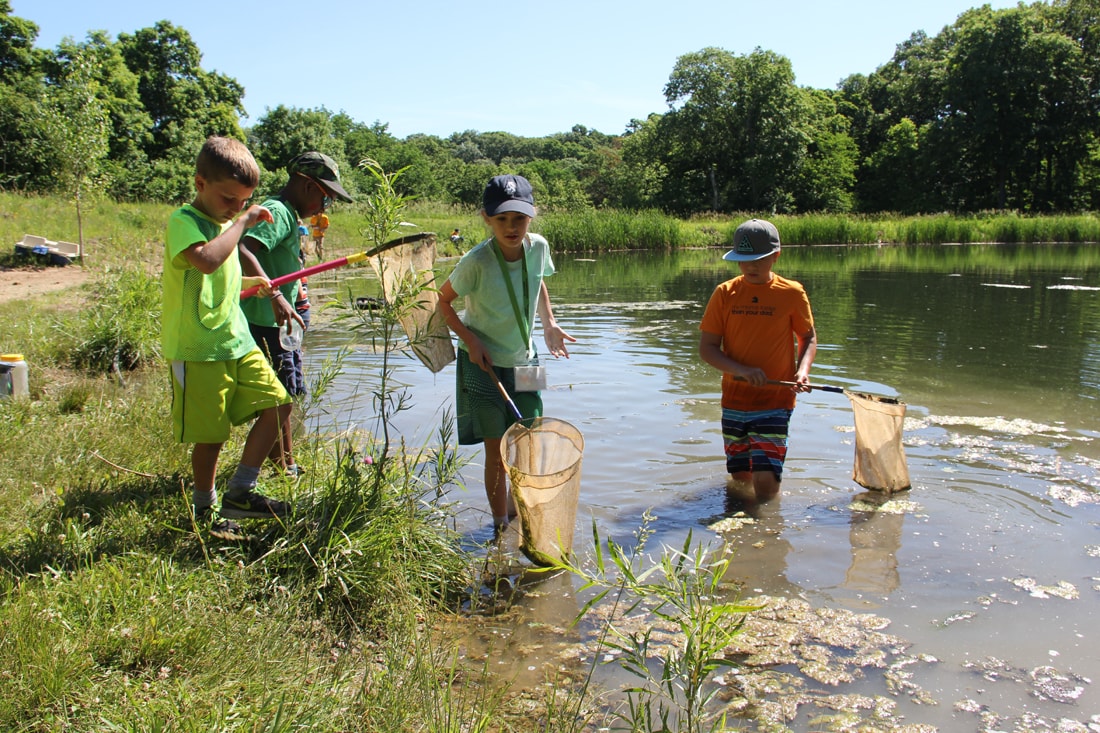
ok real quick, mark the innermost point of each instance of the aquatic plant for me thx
(683, 589)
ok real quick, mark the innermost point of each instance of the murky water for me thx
(987, 571)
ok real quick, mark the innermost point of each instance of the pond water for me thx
(986, 573)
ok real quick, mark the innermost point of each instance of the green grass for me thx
(117, 615)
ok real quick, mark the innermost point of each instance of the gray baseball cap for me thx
(753, 240)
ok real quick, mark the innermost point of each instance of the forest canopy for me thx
(998, 111)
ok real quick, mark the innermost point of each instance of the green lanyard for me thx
(521, 317)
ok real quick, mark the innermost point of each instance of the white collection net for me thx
(407, 268)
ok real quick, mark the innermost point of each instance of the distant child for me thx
(303, 240)
(501, 283)
(219, 377)
(318, 225)
(273, 249)
(750, 330)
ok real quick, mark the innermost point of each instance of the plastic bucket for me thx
(543, 459)
(13, 376)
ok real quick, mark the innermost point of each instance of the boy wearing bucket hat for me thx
(749, 333)
(501, 284)
(273, 249)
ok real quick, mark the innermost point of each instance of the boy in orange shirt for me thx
(749, 332)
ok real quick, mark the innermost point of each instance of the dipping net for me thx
(880, 457)
(408, 279)
(543, 459)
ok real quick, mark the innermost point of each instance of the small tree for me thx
(77, 135)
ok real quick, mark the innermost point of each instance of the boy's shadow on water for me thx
(757, 533)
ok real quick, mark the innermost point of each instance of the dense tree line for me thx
(998, 111)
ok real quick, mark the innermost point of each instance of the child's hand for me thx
(802, 383)
(254, 214)
(753, 375)
(256, 281)
(479, 354)
(555, 341)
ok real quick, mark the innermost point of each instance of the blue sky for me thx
(530, 69)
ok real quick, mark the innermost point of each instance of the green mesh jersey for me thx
(202, 318)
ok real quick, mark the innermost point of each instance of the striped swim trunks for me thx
(755, 441)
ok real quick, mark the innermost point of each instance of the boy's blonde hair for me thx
(222, 158)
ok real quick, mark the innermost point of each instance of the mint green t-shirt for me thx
(278, 256)
(201, 318)
(478, 279)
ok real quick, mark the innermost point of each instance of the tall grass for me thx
(813, 229)
(593, 231)
(678, 595)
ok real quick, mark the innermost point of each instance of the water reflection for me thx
(759, 543)
(1001, 441)
(875, 538)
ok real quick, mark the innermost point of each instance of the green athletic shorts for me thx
(482, 411)
(209, 397)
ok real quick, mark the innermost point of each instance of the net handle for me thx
(505, 395)
(823, 388)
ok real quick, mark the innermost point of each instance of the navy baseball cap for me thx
(508, 193)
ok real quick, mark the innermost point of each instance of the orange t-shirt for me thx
(760, 326)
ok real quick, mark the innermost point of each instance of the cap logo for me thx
(510, 188)
(745, 247)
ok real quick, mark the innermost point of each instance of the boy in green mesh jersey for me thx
(219, 377)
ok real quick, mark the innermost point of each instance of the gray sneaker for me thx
(223, 529)
(246, 504)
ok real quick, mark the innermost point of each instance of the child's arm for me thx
(478, 354)
(553, 334)
(206, 257)
(282, 310)
(710, 351)
(807, 350)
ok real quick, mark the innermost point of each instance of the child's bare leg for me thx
(281, 454)
(496, 484)
(261, 438)
(204, 465)
(765, 484)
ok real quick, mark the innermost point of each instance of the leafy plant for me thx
(683, 592)
(122, 326)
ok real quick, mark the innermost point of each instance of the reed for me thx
(593, 231)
